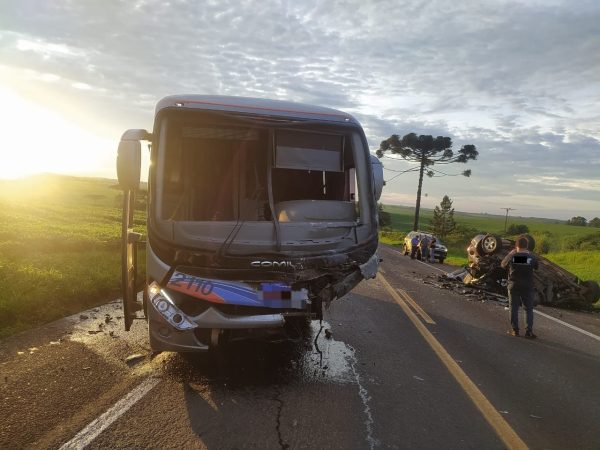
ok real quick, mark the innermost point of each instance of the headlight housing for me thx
(166, 308)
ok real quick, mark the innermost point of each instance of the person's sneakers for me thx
(513, 332)
(529, 334)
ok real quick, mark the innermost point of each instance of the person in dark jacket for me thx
(414, 245)
(424, 248)
(520, 263)
(432, 250)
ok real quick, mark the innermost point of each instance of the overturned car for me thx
(553, 285)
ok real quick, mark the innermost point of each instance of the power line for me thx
(506, 219)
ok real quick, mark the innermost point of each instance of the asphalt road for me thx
(408, 364)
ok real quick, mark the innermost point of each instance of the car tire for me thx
(592, 291)
(441, 260)
(489, 245)
(530, 242)
(538, 297)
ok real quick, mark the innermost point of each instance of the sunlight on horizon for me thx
(38, 140)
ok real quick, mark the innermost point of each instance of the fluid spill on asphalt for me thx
(365, 398)
(303, 355)
(309, 357)
(333, 358)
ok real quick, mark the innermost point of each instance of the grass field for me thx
(59, 247)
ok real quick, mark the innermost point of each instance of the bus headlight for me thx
(167, 309)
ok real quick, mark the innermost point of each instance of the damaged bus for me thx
(258, 212)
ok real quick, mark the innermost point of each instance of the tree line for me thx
(579, 221)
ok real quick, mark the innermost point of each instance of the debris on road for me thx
(468, 291)
(553, 285)
(328, 333)
(134, 359)
(83, 317)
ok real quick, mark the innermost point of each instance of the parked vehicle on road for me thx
(253, 216)
(440, 250)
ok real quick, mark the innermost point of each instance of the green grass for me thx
(456, 258)
(59, 247)
(584, 264)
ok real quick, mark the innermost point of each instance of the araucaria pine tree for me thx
(443, 222)
(426, 151)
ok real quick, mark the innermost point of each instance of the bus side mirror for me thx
(129, 158)
(129, 164)
(378, 182)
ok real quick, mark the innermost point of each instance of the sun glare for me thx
(37, 140)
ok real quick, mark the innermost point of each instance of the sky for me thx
(520, 80)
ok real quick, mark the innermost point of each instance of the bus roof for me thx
(248, 105)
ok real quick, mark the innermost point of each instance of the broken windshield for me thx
(226, 171)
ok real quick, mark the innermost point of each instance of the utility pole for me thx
(506, 219)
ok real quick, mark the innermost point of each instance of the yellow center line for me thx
(415, 306)
(489, 412)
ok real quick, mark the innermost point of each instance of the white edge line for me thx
(573, 327)
(432, 266)
(101, 423)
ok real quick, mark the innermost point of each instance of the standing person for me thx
(520, 263)
(414, 245)
(424, 246)
(432, 249)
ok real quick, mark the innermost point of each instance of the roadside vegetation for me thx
(59, 247)
(575, 248)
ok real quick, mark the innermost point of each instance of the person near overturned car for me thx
(414, 246)
(432, 249)
(520, 264)
(424, 248)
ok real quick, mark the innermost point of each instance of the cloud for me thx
(564, 185)
(517, 79)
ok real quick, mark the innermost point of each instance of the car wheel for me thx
(538, 297)
(441, 260)
(490, 244)
(530, 242)
(592, 291)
